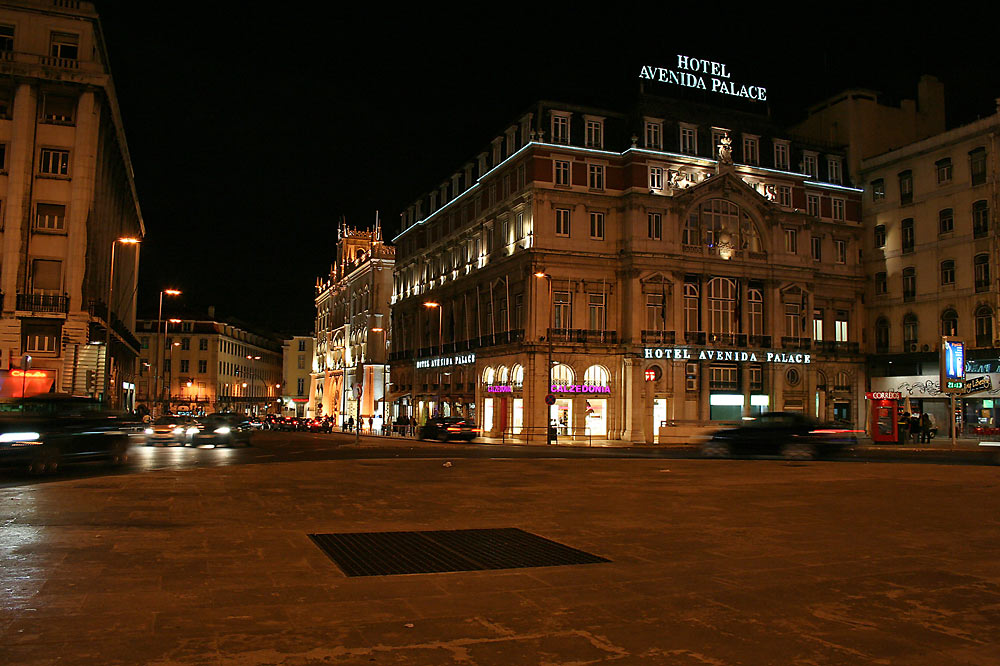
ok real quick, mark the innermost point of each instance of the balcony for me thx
(835, 347)
(759, 340)
(51, 303)
(788, 342)
(658, 337)
(582, 335)
(694, 337)
(727, 339)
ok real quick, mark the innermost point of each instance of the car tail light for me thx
(453, 429)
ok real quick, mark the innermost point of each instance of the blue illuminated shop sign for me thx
(952, 365)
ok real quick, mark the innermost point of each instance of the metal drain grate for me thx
(394, 553)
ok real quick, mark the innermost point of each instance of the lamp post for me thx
(548, 365)
(165, 394)
(171, 377)
(381, 359)
(107, 318)
(253, 375)
(432, 304)
(159, 356)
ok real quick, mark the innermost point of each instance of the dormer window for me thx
(810, 164)
(781, 154)
(653, 134)
(689, 138)
(560, 127)
(595, 132)
(751, 154)
(833, 170)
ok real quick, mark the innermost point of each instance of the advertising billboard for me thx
(952, 365)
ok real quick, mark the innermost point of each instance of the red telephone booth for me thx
(882, 421)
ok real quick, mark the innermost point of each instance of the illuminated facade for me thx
(931, 257)
(668, 267)
(210, 366)
(298, 353)
(66, 195)
(352, 328)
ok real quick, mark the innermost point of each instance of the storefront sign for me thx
(952, 365)
(884, 395)
(579, 388)
(498, 388)
(755, 356)
(446, 361)
(977, 384)
(703, 75)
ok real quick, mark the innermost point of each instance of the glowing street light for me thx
(128, 240)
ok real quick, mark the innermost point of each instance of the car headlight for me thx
(18, 436)
(148, 431)
(222, 430)
(192, 431)
(178, 431)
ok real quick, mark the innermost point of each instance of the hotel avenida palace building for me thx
(668, 265)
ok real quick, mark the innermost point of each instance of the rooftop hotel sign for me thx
(703, 75)
(738, 355)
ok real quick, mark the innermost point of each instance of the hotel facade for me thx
(647, 270)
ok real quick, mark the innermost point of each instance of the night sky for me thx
(252, 134)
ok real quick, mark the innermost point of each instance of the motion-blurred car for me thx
(443, 429)
(789, 434)
(221, 430)
(169, 431)
(39, 434)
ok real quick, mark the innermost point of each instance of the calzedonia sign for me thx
(703, 75)
(579, 388)
(738, 355)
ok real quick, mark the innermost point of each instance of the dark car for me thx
(789, 434)
(41, 433)
(443, 429)
(222, 429)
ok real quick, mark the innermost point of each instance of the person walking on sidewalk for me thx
(914, 428)
(925, 428)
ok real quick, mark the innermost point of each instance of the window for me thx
(722, 294)
(785, 196)
(560, 128)
(840, 326)
(718, 134)
(6, 38)
(203, 344)
(755, 319)
(977, 165)
(562, 172)
(984, 327)
(301, 362)
(791, 241)
(185, 344)
(562, 222)
(906, 187)
(817, 325)
(810, 164)
(751, 154)
(692, 307)
(656, 311)
(880, 235)
(561, 309)
(145, 343)
(58, 109)
(202, 367)
(64, 45)
(907, 235)
(185, 365)
(595, 133)
(653, 135)
(909, 283)
(689, 235)
(40, 337)
(878, 190)
(943, 169)
(654, 223)
(910, 332)
(946, 221)
(981, 267)
(50, 217)
(723, 378)
(949, 323)
(817, 248)
(812, 204)
(792, 312)
(838, 209)
(980, 219)
(781, 155)
(882, 335)
(948, 272)
(46, 277)
(597, 226)
(300, 385)
(595, 176)
(596, 306)
(54, 162)
(655, 178)
(881, 283)
(833, 170)
(840, 248)
(689, 139)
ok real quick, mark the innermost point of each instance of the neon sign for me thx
(750, 356)
(693, 72)
(28, 373)
(579, 388)
(952, 365)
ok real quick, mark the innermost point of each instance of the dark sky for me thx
(253, 133)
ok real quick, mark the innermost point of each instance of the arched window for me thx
(502, 374)
(596, 375)
(882, 335)
(981, 267)
(488, 376)
(949, 322)
(517, 375)
(755, 312)
(948, 271)
(562, 374)
(984, 326)
(909, 283)
(722, 305)
(910, 332)
(725, 227)
(692, 307)
(842, 382)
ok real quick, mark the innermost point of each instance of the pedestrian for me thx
(413, 425)
(350, 423)
(925, 428)
(371, 422)
(914, 428)
(904, 427)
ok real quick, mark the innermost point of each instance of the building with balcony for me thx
(298, 353)
(669, 262)
(209, 365)
(66, 195)
(350, 373)
(931, 258)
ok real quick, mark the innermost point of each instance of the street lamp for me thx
(160, 357)
(253, 375)
(107, 317)
(432, 304)
(548, 365)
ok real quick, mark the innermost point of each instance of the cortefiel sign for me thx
(703, 75)
(952, 365)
